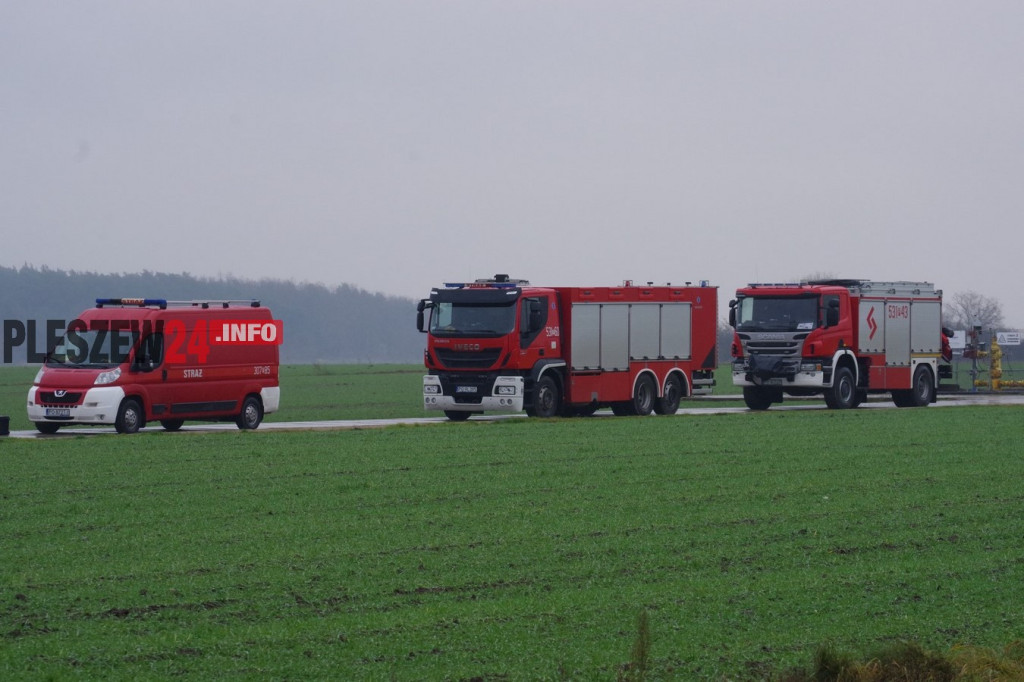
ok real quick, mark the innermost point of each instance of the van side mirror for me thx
(143, 363)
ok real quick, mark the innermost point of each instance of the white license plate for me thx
(58, 412)
(465, 389)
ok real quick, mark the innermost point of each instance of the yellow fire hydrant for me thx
(995, 371)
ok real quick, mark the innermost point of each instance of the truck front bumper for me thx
(805, 376)
(506, 395)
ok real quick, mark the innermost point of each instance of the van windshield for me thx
(92, 348)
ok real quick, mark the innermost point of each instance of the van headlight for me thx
(108, 377)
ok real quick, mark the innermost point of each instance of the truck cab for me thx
(842, 339)
(489, 342)
(788, 337)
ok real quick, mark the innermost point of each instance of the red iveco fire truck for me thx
(503, 345)
(840, 338)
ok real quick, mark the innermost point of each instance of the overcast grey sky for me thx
(397, 145)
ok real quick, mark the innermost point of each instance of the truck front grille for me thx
(785, 348)
(481, 359)
(456, 385)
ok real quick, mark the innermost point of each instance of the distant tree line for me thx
(342, 324)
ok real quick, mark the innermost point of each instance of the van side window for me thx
(150, 354)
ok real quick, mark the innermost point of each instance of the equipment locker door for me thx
(897, 333)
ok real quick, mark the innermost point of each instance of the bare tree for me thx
(966, 308)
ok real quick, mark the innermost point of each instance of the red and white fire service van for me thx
(840, 338)
(129, 361)
(503, 345)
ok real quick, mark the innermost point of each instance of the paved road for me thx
(960, 400)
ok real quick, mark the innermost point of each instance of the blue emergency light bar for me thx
(141, 302)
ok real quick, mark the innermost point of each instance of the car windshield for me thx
(460, 319)
(92, 348)
(780, 313)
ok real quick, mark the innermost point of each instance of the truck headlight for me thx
(505, 390)
(108, 377)
(432, 389)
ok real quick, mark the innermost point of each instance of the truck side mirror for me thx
(732, 313)
(832, 313)
(420, 307)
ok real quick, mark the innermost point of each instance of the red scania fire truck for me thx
(842, 338)
(502, 345)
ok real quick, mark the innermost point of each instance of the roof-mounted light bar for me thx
(754, 285)
(163, 303)
(498, 282)
(247, 302)
(140, 302)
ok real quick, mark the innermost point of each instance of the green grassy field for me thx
(709, 547)
(688, 547)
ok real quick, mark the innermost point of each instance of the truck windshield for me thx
(92, 349)
(463, 319)
(781, 313)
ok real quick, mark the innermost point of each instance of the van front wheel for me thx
(129, 416)
(251, 414)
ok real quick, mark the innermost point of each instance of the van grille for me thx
(51, 398)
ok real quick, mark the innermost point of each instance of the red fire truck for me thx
(502, 345)
(840, 338)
